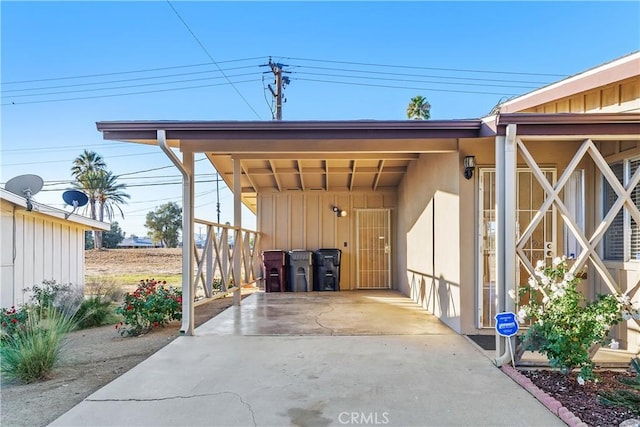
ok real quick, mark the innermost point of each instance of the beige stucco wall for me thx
(305, 220)
(428, 236)
(37, 247)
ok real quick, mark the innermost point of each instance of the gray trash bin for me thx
(300, 271)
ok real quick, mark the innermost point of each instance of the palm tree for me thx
(419, 108)
(87, 163)
(105, 193)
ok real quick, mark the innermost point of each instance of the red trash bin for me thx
(273, 262)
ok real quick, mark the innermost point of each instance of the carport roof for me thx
(354, 155)
(360, 155)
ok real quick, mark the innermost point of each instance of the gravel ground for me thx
(91, 358)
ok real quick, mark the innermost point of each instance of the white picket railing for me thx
(215, 259)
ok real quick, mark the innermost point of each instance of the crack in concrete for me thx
(317, 320)
(160, 399)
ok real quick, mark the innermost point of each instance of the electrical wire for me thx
(407, 87)
(124, 80)
(411, 81)
(128, 72)
(213, 60)
(123, 94)
(124, 87)
(461, 70)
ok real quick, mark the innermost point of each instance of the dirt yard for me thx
(110, 262)
(93, 357)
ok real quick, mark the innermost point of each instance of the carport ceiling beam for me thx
(299, 166)
(326, 175)
(377, 178)
(244, 171)
(275, 175)
(353, 174)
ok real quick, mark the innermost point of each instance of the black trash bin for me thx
(273, 263)
(299, 271)
(326, 272)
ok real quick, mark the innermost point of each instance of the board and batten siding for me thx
(622, 96)
(37, 247)
(305, 220)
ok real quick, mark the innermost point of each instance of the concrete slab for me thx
(264, 365)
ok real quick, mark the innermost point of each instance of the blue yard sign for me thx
(506, 324)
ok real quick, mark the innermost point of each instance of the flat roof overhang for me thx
(361, 155)
(356, 155)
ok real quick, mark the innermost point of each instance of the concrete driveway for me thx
(315, 359)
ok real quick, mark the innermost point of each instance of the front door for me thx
(374, 248)
(541, 244)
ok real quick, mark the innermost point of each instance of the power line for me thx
(122, 87)
(351, 70)
(412, 81)
(128, 72)
(428, 68)
(126, 80)
(213, 60)
(123, 94)
(407, 87)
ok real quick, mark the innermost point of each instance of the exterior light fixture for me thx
(339, 212)
(469, 165)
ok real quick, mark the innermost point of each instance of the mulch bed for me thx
(583, 400)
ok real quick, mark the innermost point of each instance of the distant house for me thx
(135, 242)
(39, 244)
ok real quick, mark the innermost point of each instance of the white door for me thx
(374, 248)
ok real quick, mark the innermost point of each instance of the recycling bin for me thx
(299, 270)
(273, 263)
(326, 272)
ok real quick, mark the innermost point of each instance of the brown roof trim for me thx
(571, 124)
(224, 130)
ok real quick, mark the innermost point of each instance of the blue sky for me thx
(434, 49)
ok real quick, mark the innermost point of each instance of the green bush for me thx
(151, 305)
(96, 311)
(65, 298)
(31, 353)
(565, 326)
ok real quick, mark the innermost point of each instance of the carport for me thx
(294, 175)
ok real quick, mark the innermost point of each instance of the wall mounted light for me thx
(339, 212)
(469, 165)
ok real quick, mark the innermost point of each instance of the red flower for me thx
(129, 307)
(14, 320)
(156, 324)
(4, 324)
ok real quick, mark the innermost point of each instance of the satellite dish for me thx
(25, 186)
(74, 198)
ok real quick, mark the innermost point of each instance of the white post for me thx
(188, 296)
(506, 176)
(237, 222)
(186, 169)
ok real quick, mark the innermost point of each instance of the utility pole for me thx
(280, 83)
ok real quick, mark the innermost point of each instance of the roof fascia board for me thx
(56, 213)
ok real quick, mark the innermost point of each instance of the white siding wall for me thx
(36, 247)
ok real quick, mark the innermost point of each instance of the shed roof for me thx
(58, 214)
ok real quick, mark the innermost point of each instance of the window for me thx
(622, 239)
